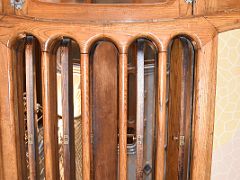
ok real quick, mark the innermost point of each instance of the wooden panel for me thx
(205, 84)
(20, 122)
(86, 123)
(31, 106)
(105, 110)
(8, 155)
(123, 81)
(174, 111)
(50, 116)
(205, 7)
(67, 110)
(140, 108)
(161, 116)
(103, 13)
(180, 109)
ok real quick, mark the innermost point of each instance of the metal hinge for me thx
(18, 4)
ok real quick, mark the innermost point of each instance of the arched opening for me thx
(27, 75)
(142, 84)
(180, 93)
(104, 109)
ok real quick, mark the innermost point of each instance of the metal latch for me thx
(182, 141)
(18, 4)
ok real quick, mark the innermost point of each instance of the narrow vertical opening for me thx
(29, 100)
(142, 74)
(68, 74)
(104, 109)
(180, 92)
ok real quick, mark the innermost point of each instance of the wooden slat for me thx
(123, 73)
(67, 110)
(140, 108)
(161, 116)
(20, 76)
(175, 113)
(86, 124)
(187, 108)
(31, 107)
(105, 110)
(50, 116)
(180, 109)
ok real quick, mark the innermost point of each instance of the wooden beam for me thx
(161, 116)
(123, 81)
(50, 118)
(86, 123)
(31, 107)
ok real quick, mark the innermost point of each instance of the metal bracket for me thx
(18, 4)
(189, 1)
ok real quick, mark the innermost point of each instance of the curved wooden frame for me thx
(86, 30)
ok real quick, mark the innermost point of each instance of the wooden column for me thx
(205, 91)
(86, 124)
(50, 119)
(123, 77)
(161, 115)
(31, 107)
(67, 110)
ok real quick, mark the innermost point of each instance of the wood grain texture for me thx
(86, 121)
(205, 84)
(67, 110)
(31, 107)
(104, 79)
(161, 116)
(9, 161)
(19, 74)
(122, 24)
(100, 12)
(123, 81)
(50, 116)
(205, 7)
(179, 109)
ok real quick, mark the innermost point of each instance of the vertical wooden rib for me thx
(161, 116)
(140, 108)
(50, 116)
(67, 111)
(19, 74)
(85, 116)
(123, 73)
(104, 77)
(31, 106)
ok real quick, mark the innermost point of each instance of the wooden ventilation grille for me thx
(105, 115)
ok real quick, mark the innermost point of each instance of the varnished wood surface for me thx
(19, 74)
(123, 81)
(86, 120)
(204, 117)
(104, 88)
(50, 116)
(161, 116)
(31, 97)
(86, 31)
(180, 109)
